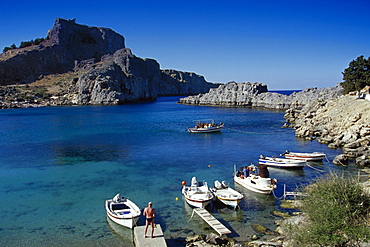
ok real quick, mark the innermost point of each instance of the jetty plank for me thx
(212, 221)
(157, 241)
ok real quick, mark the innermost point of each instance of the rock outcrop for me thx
(95, 68)
(339, 123)
(66, 42)
(248, 94)
(229, 94)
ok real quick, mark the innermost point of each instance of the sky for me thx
(287, 45)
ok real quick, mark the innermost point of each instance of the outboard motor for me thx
(224, 185)
(117, 198)
(194, 181)
(218, 185)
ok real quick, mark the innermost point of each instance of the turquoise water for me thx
(59, 164)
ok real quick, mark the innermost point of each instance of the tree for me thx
(357, 75)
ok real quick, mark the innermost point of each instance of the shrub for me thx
(337, 211)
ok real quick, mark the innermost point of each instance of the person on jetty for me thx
(149, 212)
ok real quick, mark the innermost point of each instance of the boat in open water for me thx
(197, 194)
(314, 156)
(122, 211)
(281, 162)
(206, 126)
(259, 182)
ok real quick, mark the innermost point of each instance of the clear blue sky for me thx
(284, 44)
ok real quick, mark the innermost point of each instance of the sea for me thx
(58, 165)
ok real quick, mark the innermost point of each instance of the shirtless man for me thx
(149, 212)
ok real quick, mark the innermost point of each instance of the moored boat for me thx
(206, 126)
(197, 194)
(281, 162)
(226, 194)
(314, 156)
(258, 182)
(122, 211)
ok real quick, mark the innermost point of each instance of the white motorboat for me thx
(206, 126)
(314, 156)
(122, 211)
(260, 183)
(281, 162)
(198, 194)
(226, 194)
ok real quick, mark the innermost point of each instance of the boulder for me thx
(341, 159)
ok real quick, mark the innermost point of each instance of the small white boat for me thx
(281, 162)
(315, 156)
(198, 194)
(260, 183)
(206, 126)
(226, 194)
(122, 211)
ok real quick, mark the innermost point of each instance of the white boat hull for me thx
(124, 213)
(197, 195)
(198, 199)
(256, 183)
(315, 156)
(205, 130)
(130, 223)
(206, 126)
(229, 197)
(283, 163)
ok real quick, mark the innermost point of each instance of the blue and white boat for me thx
(281, 162)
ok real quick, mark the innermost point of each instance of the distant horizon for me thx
(284, 44)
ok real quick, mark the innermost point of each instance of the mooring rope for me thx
(314, 168)
(248, 132)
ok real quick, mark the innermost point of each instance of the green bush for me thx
(337, 211)
(24, 44)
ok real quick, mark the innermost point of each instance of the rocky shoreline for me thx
(339, 123)
(256, 94)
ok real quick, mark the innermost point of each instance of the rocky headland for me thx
(78, 64)
(256, 94)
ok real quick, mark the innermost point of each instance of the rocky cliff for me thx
(339, 123)
(93, 67)
(66, 42)
(248, 94)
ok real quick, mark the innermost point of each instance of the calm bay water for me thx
(59, 164)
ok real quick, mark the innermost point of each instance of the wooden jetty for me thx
(212, 221)
(157, 241)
